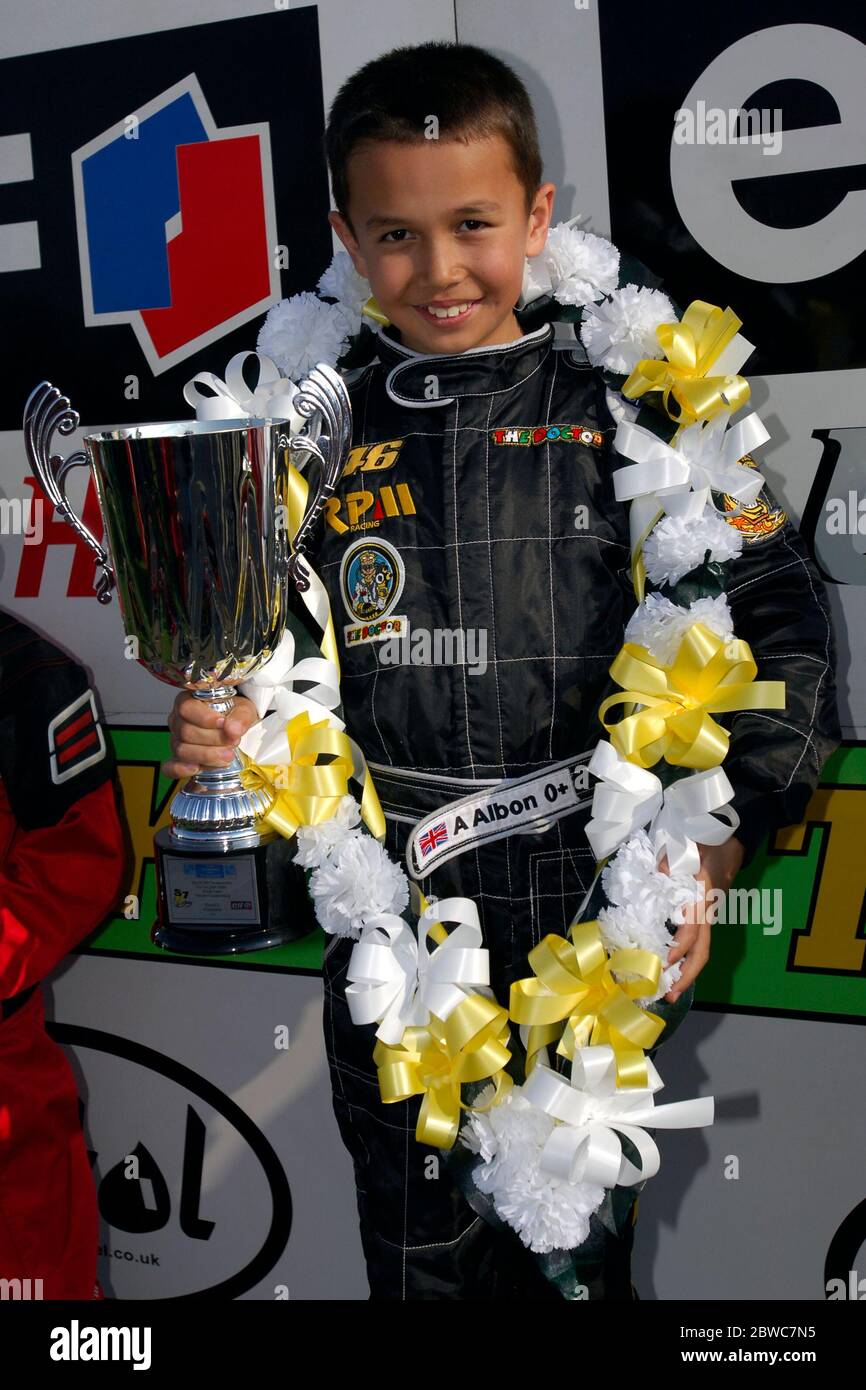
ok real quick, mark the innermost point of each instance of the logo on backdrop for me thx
(161, 244)
(782, 239)
(834, 520)
(169, 1161)
(158, 192)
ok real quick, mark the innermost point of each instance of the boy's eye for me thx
(399, 233)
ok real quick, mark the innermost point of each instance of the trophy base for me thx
(218, 902)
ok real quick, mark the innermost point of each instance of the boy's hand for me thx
(719, 867)
(203, 738)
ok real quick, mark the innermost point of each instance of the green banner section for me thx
(789, 937)
(146, 795)
(793, 940)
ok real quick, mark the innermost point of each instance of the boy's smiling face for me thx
(443, 225)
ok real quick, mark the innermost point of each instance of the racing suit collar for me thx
(486, 370)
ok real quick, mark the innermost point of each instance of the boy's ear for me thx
(540, 218)
(347, 237)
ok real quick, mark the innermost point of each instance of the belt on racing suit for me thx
(493, 809)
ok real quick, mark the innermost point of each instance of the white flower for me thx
(357, 881)
(678, 544)
(536, 281)
(621, 330)
(315, 843)
(342, 282)
(632, 880)
(301, 331)
(660, 625)
(620, 929)
(644, 900)
(582, 267)
(547, 1213)
(536, 269)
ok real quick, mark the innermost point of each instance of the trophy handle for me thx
(323, 390)
(46, 411)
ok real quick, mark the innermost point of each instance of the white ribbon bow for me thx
(680, 478)
(274, 682)
(695, 812)
(399, 981)
(692, 811)
(272, 398)
(233, 399)
(626, 798)
(585, 1146)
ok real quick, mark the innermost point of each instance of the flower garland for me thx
(553, 1151)
(549, 1155)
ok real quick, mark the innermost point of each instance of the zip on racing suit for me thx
(461, 511)
(62, 867)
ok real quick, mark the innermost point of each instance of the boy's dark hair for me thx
(471, 94)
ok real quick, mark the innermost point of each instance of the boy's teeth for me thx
(451, 313)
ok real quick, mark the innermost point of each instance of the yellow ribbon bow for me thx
(434, 1060)
(709, 675)
(691, 347)
(574, 981)
(308, 790)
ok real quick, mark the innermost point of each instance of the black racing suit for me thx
(469, 527)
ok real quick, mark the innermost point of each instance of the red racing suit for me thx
(62, 869)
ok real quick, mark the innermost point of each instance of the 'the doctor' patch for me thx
(548, 434)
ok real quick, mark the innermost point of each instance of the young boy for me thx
(485, 543)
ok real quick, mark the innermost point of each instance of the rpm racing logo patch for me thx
(364, 510)
(372, 575)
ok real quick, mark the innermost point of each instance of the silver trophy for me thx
(199, 550)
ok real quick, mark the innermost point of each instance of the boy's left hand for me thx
(720, 865)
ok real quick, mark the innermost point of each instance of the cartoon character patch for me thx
(372, 575)
(758, 522)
